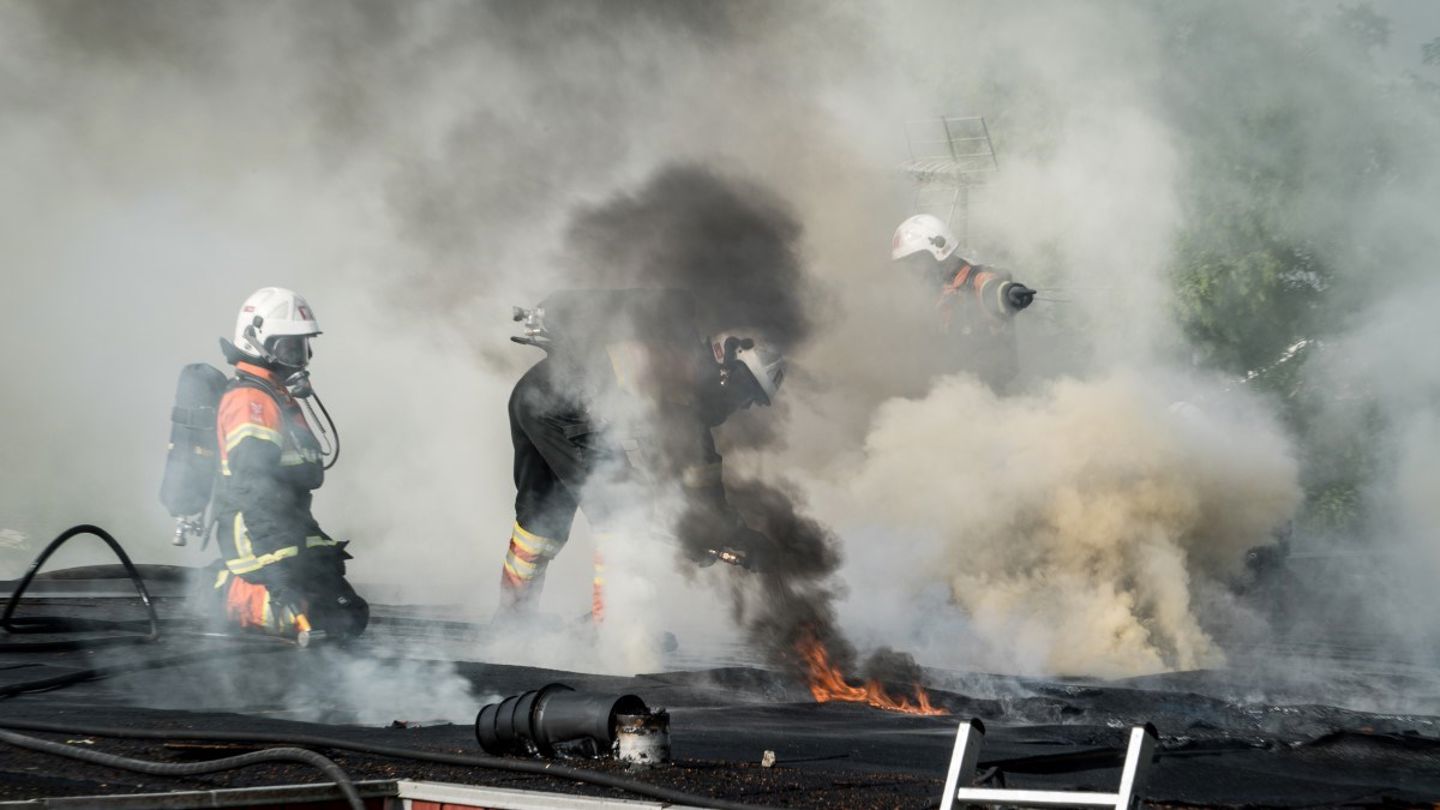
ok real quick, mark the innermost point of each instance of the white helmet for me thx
(275, 324)
(765, 364)
(923, 232)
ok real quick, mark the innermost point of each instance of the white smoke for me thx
(382, 686)
(1069, 525)
(411, 168)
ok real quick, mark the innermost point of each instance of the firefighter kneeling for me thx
(282, 574)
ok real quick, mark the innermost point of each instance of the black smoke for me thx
(789, 594)
(892, 667)
(730, 242)
(734, 245)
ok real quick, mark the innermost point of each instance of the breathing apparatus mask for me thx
(291, 351)
(747, 374)
(292, 355)
(737, 381)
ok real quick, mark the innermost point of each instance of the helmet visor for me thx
(767, 371)
(745, 387)
(291, 350)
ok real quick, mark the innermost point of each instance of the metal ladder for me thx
(967, 755)
(950, 157)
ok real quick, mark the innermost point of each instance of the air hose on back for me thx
(327, 448)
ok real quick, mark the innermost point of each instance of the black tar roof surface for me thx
(1215, 750)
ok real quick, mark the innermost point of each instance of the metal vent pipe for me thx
(535, 722)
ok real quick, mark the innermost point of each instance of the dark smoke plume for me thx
(731, 243)
(791, 594)
(892, 666)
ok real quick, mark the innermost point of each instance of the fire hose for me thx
(48, 624)
(53, 624)
(626, 784)
(301, 755)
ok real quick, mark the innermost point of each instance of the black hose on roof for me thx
(41, 625)
(53, 624)
(328, 767)
(626, 784)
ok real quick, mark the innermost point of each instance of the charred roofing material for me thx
(1214, 748)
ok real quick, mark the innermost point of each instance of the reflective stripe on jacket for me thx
(974, 287)
(269, 463)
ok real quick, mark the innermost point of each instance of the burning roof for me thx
(163, 701)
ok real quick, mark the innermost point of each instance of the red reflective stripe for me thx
(243, 407)
(245, 603)
(960, 278)
(597, 594)
(981, 279)
(948, 294)
(520, 552)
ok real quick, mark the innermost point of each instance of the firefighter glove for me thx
(1018, 296)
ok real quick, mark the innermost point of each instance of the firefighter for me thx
(282, 574)
(975, 306)
(575, 450)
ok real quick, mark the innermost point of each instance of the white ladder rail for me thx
(966, 756)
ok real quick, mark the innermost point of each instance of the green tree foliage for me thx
(1245, 289)
(1287, 149)
(1252, 274)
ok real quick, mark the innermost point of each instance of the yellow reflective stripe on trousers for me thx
(524, 546)
(523, 576)
(522, 567)
(533, 543)
(528, 535)
(245, 562)
(243, 549)
(246, 565)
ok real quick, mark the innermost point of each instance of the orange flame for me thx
(827, 683)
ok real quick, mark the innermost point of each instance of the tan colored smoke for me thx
(1072, 525)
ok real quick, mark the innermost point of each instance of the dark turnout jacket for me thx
(270, 462)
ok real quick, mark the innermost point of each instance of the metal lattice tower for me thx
(950, 158)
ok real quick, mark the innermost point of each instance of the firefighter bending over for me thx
(620, 409)
(282, 574)
(975, 305)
